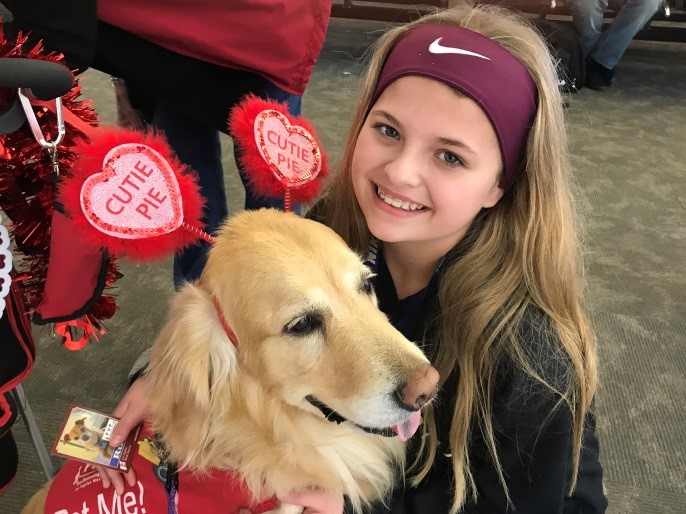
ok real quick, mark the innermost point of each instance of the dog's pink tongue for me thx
(407, 429)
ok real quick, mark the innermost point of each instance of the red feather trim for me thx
(90, 157)
(260, 175)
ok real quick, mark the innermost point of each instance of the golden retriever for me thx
(318, 384)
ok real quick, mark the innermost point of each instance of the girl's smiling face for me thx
(426, 162)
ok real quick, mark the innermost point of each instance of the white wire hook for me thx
(50, 146)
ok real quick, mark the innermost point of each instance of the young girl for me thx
(457, 168)
(455, 184)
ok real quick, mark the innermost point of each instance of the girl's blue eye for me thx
(450, 158)
(387, 130)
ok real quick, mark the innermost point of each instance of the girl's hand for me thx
(132, 409)
(315, 501)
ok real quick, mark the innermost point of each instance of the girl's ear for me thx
(494, 196)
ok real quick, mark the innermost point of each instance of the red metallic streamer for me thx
(28, 190)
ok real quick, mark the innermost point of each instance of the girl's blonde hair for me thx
(522, 252)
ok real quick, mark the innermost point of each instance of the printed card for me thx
(85, 436)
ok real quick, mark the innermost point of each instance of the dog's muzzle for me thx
(335, 417)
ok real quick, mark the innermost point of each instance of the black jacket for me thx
(201, 90)
(66, 26)
(533, 429)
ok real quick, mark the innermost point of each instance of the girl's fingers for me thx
(315, 501)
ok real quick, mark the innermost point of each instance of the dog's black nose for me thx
(419, 389)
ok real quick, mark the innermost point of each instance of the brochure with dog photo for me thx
(85, 437)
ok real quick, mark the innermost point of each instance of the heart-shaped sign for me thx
(290, 151)
(136, 196)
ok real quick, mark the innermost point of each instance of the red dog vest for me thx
(77, 490)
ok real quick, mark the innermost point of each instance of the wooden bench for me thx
(669, 24)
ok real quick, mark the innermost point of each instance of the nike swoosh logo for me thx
(437, 48)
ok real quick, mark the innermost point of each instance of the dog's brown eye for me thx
(367, 286)
(303, 325)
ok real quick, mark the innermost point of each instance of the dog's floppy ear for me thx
(192, 365)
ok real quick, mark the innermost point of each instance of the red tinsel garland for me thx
(28, 188)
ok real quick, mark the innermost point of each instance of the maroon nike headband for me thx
(481, 69)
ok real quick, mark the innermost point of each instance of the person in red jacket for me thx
(186, 64)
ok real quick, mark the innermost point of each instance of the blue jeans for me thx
(198, 146)
(607, 47)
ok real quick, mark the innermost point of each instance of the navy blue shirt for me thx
(533, 429)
